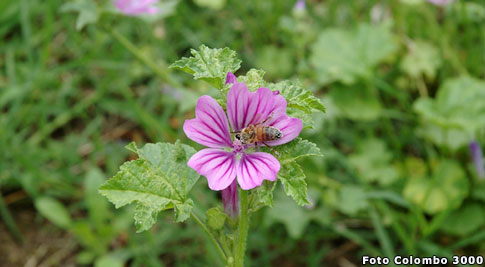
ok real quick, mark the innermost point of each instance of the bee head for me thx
(238, 136)
(278, 135)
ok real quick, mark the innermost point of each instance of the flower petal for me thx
(230, 200)
(210, 127)
(289, 127)
(215, 164)
(279, 108)
(136, 7)
(244, 107)
(253, 168)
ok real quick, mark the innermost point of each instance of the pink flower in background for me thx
(136, 7)
(441, 2)
(226, 160)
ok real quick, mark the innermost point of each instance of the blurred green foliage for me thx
(402, 83)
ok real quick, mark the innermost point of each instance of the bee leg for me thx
(272, 150)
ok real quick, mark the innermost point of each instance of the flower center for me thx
(237, 146)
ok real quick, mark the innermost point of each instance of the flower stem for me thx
(161, 72)
(210, 235)
(242, 234)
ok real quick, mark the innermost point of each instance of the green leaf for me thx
(352, 199)
(473, 12)
(297, 149)
(85, 257)
(291, 215)
(446, 189)
(160, 179)
(307, 119)
(212, 4)
(87, 9)
(216, 218)
(97, 205)
(447, 137)
(356, 102)
(465, 220)
(478, 190)
(298, 97)
(265, 193)
(209, 64)
(458, 107)
(276, 61)
(54, 211)
(254, 79)
(87, 237)
(292, 177)
(345, 56)
(108, 260)
(373, 162)
(422, 59)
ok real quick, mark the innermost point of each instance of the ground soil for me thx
(44, 245)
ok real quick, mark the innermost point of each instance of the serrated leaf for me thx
(265, 193)
(209, 64)
(298, 97)
(297, 149)
(87, 9)
(345, 56)
(292, 177)
(253, 79)
(183, 210)
(160, 179)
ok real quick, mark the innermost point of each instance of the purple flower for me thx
(230, 199)
(477, 156)
(299, 9)
(226, 160)
(440, 2)
(230, 78)
(300, 5)
(136, 7)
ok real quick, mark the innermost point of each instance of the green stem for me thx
(242, 234)
(210, 235)
(162, 73)
(9, 221)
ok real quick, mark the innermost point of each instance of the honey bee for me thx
(258, 133)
